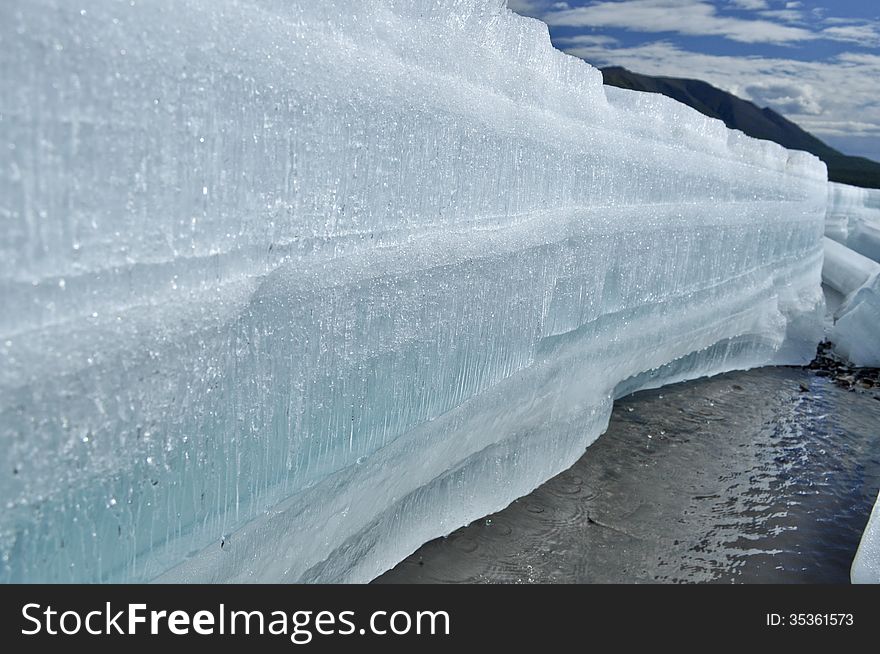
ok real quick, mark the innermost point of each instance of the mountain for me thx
(751, 119)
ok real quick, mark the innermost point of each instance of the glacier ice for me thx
(290, 288)
(855, 282)
(856, 331)
(852, 271)
(853, 218)
(845, 270)
(866, 565)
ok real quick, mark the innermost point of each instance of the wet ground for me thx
(760, 476)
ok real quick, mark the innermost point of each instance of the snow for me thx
(866, 566)
(853, 218)
(291, 288)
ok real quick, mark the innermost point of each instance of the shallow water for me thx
(760, 476)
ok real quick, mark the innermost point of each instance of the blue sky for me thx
(815, 61)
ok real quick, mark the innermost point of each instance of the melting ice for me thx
(290, 288)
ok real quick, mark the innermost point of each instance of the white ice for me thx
(845, 270)
(852, 271)
(866, 566)
(855, 280)
(290, 288)
(853, 218)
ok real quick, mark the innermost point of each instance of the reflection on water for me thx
(760, 476)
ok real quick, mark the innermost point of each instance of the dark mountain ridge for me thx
(752, 120)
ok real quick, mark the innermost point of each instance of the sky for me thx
(815, 62)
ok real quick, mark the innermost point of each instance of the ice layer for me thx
(866, 566)
(290, 288)
(853, 218)
(854, 281)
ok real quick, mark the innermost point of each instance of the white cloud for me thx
(793, 16)
(833, 98)
(865, 34)
(790, 98)
(749, 4)
(690, 17)
(581, 40)
(534, 8)
(861, 58)
(823, 97)
(779, 23)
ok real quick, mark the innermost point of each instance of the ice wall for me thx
(855, 321)
(845, 270)
(856, 331)
(866, 565)
(853, 218)
(290, 288)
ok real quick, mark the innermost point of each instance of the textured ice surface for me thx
(866, 566)
(290, 288)
(856, 321)
(853, 218)
(845, 270)
(856, 332)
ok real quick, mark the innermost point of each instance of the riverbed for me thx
(767, 475)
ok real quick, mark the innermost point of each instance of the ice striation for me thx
(866, 566)
(853, 292)
(853, 218)
(290, 288)
(852, 272)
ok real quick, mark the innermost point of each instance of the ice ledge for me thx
(866, 566)
(293, 287)
(856, 280)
